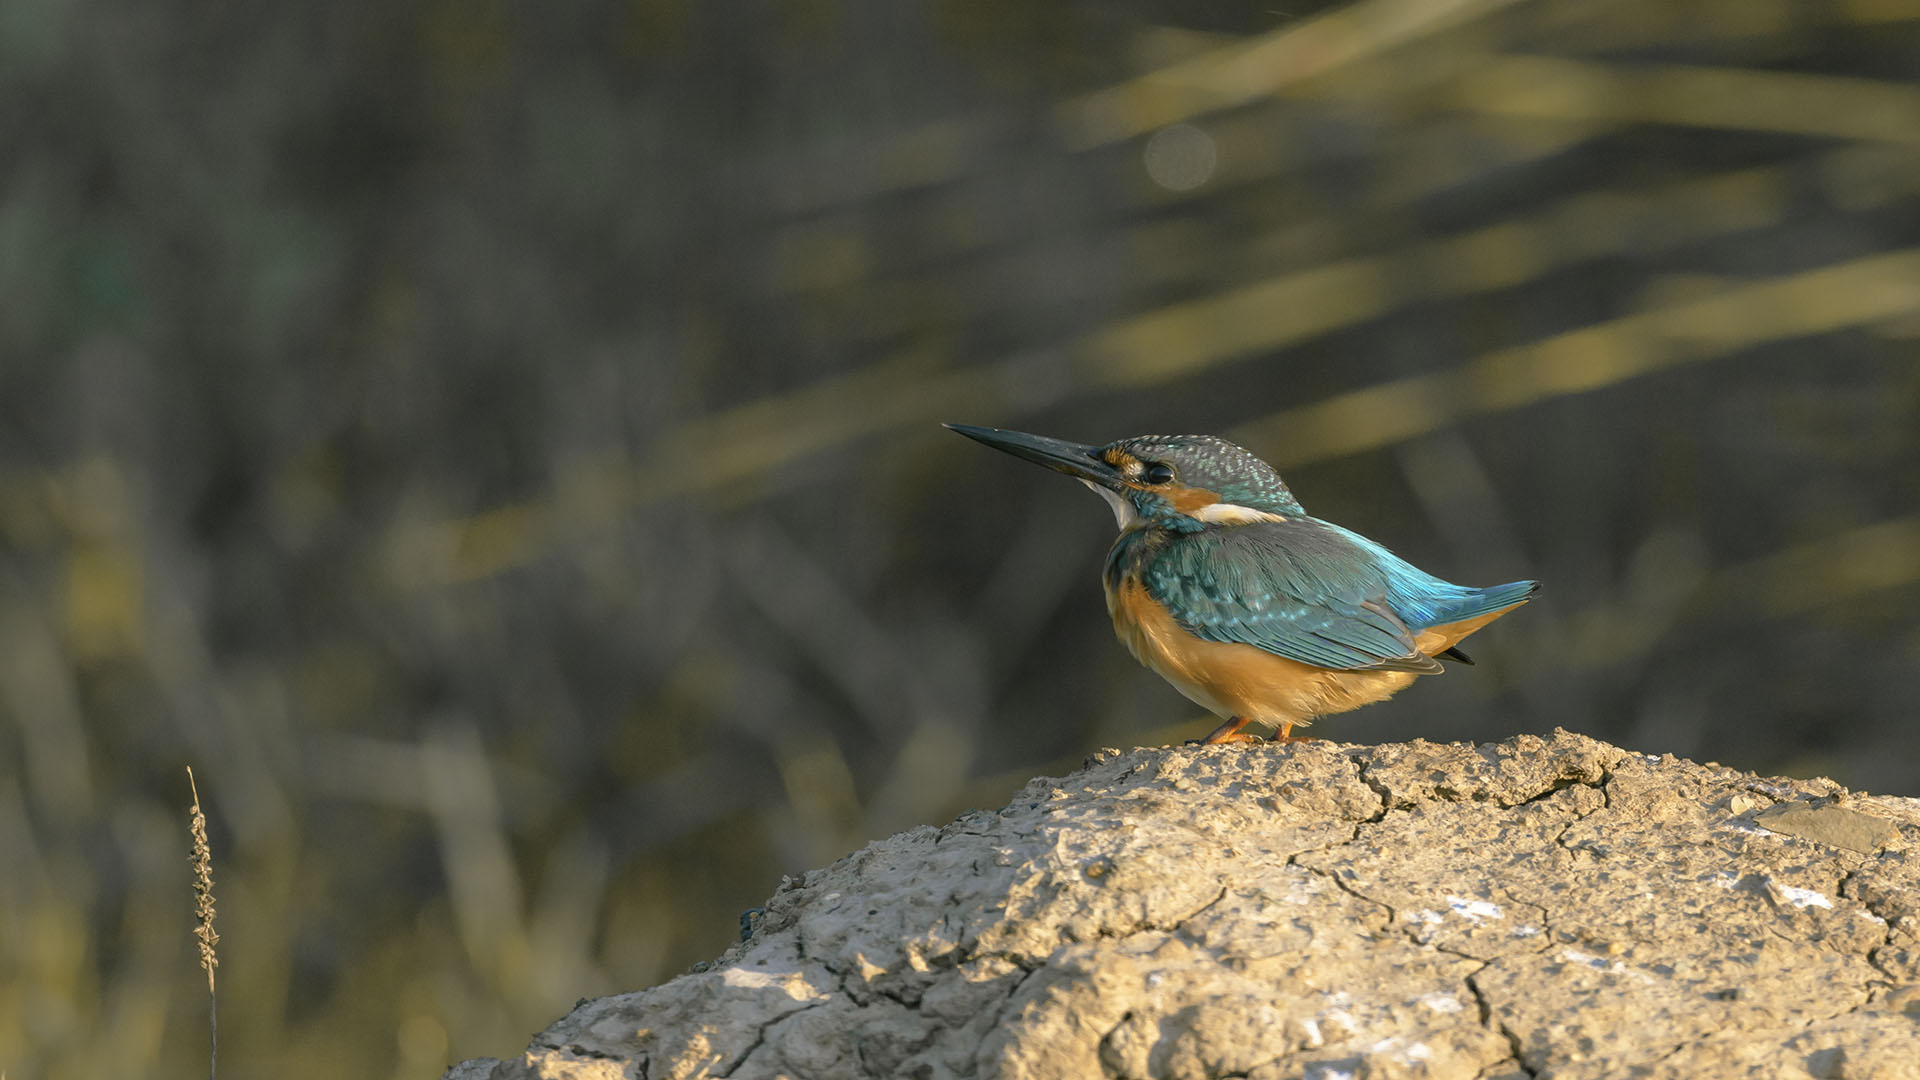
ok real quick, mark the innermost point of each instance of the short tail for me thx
(1492, 598)
(1513, 592)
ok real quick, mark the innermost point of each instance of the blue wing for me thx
(1312, 592)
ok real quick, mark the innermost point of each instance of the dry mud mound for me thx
(1537, 907)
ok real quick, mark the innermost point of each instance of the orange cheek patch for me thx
(1189, 499)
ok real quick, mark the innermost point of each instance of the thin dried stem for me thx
(203, 908)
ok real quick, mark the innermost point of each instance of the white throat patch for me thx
(1124, 515)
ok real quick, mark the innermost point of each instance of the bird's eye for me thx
(1157, 473)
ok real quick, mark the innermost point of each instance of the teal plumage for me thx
(1216, 555)
(1304, 589)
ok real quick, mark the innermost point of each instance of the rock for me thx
(1528, 908)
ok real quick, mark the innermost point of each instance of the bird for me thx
(1255, 610)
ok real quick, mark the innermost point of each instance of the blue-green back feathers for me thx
(1309, 591)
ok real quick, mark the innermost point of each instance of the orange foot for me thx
(1228, 732)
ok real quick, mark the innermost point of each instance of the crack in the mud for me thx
(1606, 803)
(1873, 958)
(1383, 791)
(1013, 993)
(1181, 924)
(1393, 916)
(760, 1037)
(1558, 785)
(1499, 1028)
(1676, 1049)
(1389, 801)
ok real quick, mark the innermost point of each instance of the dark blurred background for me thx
(497, 445)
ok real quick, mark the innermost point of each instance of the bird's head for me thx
(1185, 482)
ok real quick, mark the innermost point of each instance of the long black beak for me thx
(1074, 459)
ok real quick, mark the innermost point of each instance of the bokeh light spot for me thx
(1180, 157)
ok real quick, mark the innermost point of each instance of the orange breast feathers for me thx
(1230, 679)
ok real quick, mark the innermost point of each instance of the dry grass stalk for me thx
(203, 908)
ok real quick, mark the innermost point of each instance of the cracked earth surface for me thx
(1537, 907)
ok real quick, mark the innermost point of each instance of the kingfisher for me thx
(1252, 608)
